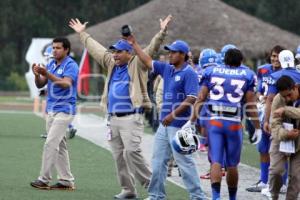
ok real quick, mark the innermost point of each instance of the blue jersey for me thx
(227, 86)
(263, 78)
(291, 72)
(62, 99)
(178, 85)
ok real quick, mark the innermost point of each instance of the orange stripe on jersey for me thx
(235, 127)
(216, 123)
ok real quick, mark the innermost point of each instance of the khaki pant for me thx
(126, 137)
(277, 169)
(55, 153)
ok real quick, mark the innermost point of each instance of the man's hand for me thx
(167, 120)
(278, 112)
(164, 23)
(256, 137)
(293, 134)
(130, 39)
(42, 70)
(77, 26)
(34, 69)
(266, 127)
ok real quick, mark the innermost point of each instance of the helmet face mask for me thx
(185, 141)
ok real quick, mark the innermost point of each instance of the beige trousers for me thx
(55, 153)
(277, 169)
(126, 138)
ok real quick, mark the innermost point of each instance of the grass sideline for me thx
(92, 166)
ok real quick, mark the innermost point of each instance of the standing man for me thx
(60, 75)
(263, 79)
(225, 89)
(179, 94)
(289, 93)
(125, 97)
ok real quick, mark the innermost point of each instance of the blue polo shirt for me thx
(118, 91)
(62, 99)
(178, 85)
(291, 72)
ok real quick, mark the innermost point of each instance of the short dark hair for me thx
(285, 83)
(277, 49)
(233, 57)
(65, 42)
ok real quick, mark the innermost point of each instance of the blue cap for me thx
(178, 46)
(121, 45)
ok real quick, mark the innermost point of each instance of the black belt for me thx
(125, 113)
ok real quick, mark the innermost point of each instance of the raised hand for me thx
(164, 23)
(77, 26)
(130, 39)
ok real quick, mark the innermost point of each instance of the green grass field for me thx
(92, 166)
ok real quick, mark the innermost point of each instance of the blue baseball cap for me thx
(178, 46)
(121, 45)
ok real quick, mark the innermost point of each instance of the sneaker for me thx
(59, 186)
(283, 189)
(71, 133)
(125, 195)
(257, 187)
(205, 176)
(202, 148)
(40, 185)
(266, 192)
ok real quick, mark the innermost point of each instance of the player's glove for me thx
(256, 136)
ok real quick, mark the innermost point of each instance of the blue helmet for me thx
(48, 53)
(219, 59)
(298, 52)
(185, 141)
(207, 57)
(225, 49)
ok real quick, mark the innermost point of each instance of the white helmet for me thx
(286, 59)
(185, 141)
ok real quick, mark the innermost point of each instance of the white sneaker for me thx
(266, 192)
(283, 189)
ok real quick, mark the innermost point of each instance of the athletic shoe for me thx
(59, 186)
(202, 148)
(257, 187)
(205, 176)
(71, 133)
(266, 192)
(40, 185)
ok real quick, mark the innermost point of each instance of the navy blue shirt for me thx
(118, 91)
(62, 99)
(178, 85)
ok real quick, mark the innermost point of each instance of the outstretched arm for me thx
(95, 49)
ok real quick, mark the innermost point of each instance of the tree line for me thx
(22, 20)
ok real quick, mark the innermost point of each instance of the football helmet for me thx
(207, 57)
(185, 141)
